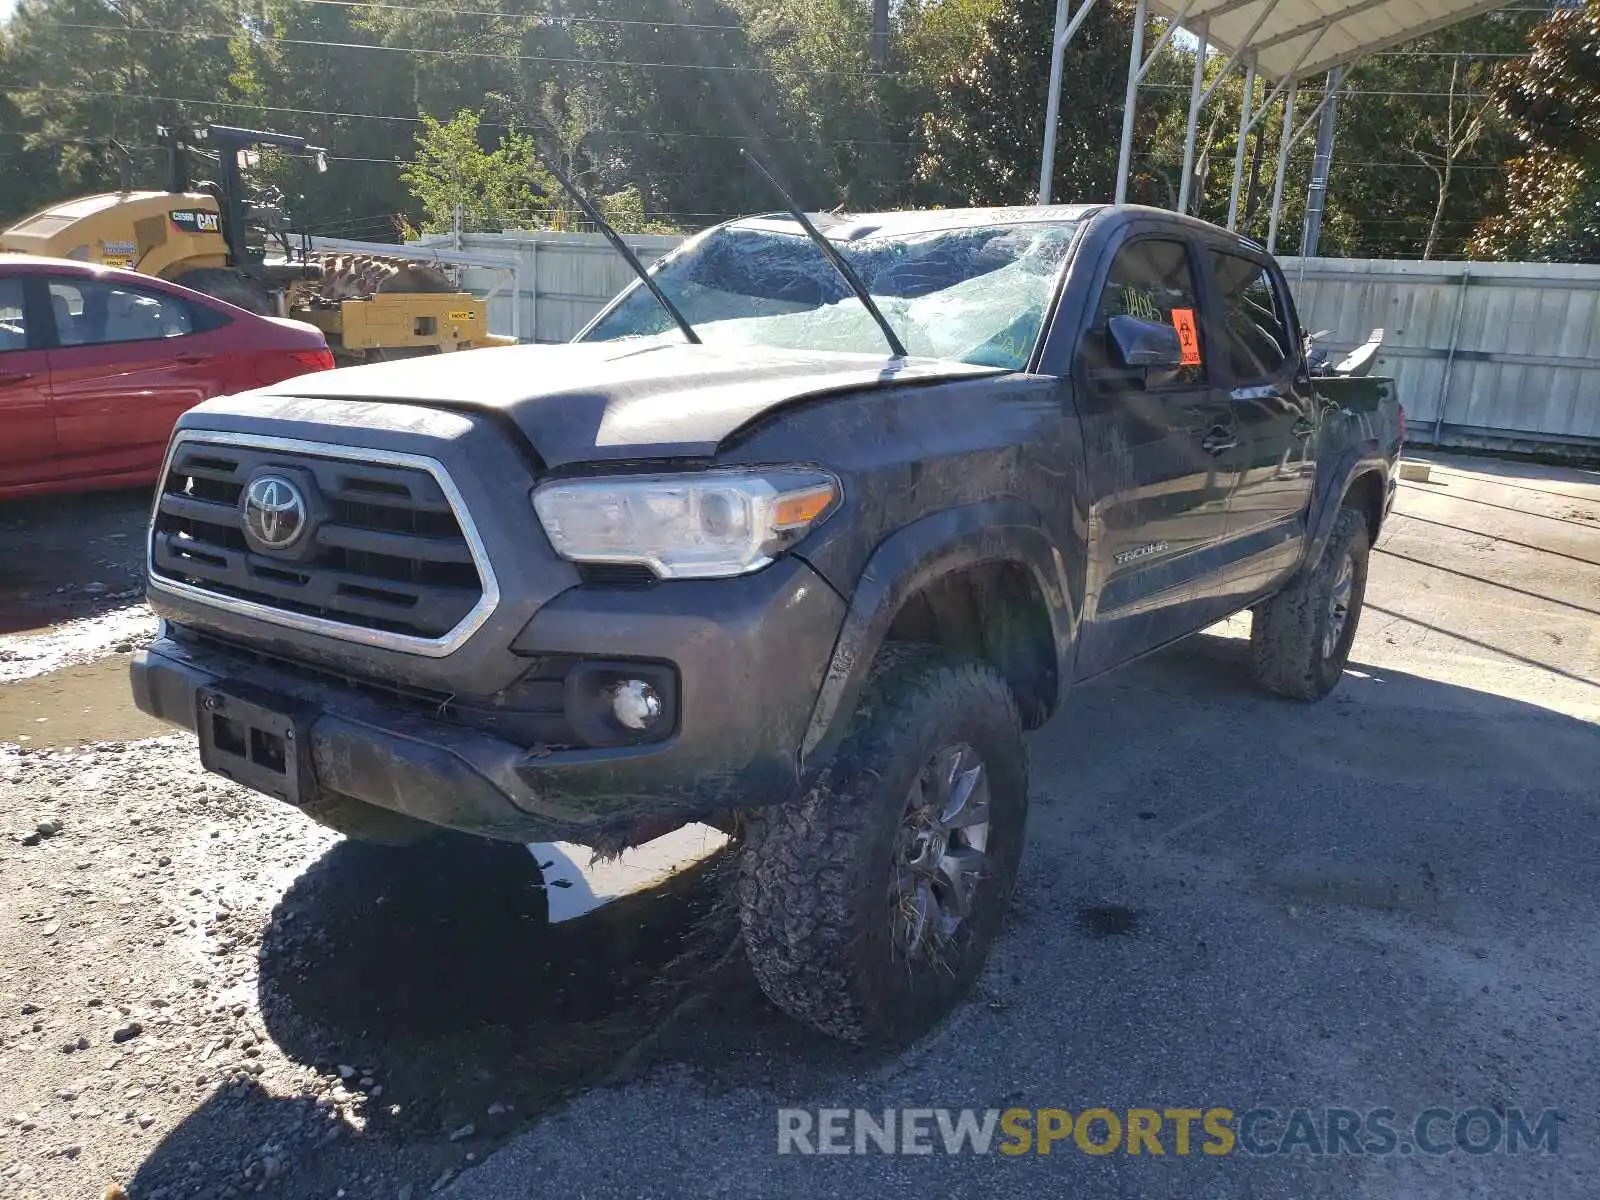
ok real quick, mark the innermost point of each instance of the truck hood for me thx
(595, 401)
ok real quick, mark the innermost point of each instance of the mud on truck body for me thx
(782, 576)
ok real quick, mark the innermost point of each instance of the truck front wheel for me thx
(868, 906)
(1300, 638)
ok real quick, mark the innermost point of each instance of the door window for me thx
(93, 312)
(1150, 279)
(13, 316)
(1254, 317)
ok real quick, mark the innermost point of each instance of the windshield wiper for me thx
(623, 249)
(831, 253)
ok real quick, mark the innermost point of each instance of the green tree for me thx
(25, 166)
(983, 143)
(671, 127)
(502, 188)
(81, 74)
(1416, 156)
(1552, 101)
(1416, 160)
(820, 56)
(319, 70)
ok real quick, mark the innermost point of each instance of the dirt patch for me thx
(295, 1012)
(89, 702)
(1109, 920)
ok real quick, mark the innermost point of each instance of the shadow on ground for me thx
(436, 969)
(65, 557)
(433, 973)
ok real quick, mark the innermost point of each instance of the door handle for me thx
(1218, 441)
(191, 360)
(18, 377)
(1303, 428)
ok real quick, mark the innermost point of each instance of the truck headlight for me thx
(700, 525)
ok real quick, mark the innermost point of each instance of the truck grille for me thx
(384, 549)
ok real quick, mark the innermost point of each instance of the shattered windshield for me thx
(976, 294)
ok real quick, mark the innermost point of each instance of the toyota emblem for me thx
(274, 511)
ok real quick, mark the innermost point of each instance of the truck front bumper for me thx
(749, 654)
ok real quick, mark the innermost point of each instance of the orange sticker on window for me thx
(1188, 336)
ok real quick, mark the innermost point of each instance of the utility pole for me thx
(880, 34)
(1317, 193)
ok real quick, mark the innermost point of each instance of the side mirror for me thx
(1145, 343)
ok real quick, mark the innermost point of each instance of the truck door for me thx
(27, 434)
(1161, 449)
(121, 374)
(1277, 412)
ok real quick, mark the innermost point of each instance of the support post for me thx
(1194, 119)
(1130, 101)
(1317, 192)
(1450, 354)
(1052, 107)
(1053, 103)
(1283, 166)
(1246, 103)
(533, 295)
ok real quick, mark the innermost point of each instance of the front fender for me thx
(1002, 530)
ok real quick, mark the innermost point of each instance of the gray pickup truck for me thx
(796, 548)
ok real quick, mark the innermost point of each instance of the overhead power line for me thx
(544, 19)
(423, 52)
(318, 112)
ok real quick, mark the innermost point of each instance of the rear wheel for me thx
(869, 905)
(1300, 639)
(232, 287)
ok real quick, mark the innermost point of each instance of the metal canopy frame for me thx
(1281, 44)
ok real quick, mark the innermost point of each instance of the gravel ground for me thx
(1386, 900)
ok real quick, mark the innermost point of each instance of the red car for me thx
(97, 364)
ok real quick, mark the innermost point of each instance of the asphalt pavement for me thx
(1383, 905)
(1338, 951)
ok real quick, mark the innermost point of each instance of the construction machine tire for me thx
(357, 276)
(231, 288)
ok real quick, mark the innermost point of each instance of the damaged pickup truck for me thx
(798, 537)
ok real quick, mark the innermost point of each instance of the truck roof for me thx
(849, 227)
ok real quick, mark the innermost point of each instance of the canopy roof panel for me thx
(1304, 37)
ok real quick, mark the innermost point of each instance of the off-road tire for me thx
(1287, 651)
(231, 287)
(814, 880)
(363, 822)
